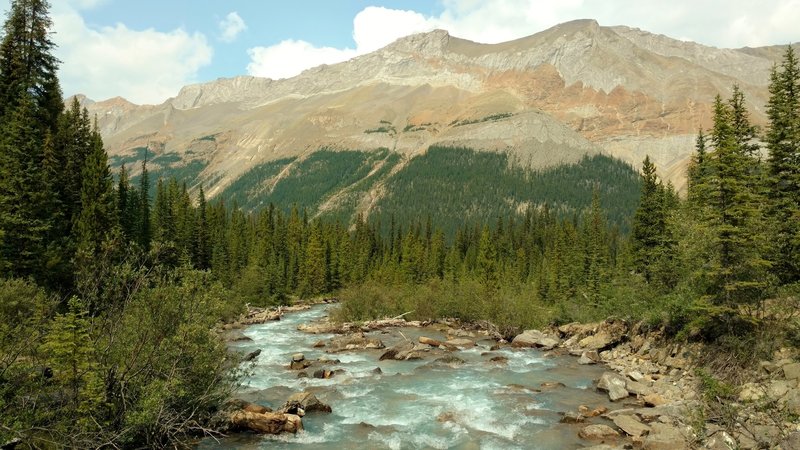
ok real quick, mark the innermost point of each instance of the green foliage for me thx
(249, 190)
(457, 185)
(489, 118)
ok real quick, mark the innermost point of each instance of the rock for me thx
(598, 433)
(447, 416)
(654, 399)
(377, 371)
(535, 338)
(355, 341)
(589, 357)
(791, 371)
(252, 355)
(588, 412)
(302, 375)
(451, 360)
(792, 441)
(306, 401)
(751, 392)
(614, 384)
(631, 425)
(403, 351)
(266, 423)
(768, 367)
(635, 375)
(460, 343)
(720, 441)
(792, 401)
(598, 341)
(239, 337)
(779, 388)
(636, 388)
(323, 374)
(552, 385)
(252, 407)
(319, 328)
(298, 357)
(429, 341)
(319, 344)
(664, 437)
(572, 417)
(499, 359)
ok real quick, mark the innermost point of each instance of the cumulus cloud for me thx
(231, 26)
(144, 66)
(721, 23)
(373, 28)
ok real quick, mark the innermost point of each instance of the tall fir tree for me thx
(783, 143)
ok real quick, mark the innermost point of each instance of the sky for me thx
(146, 50)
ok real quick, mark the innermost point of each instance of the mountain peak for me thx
(429, 43)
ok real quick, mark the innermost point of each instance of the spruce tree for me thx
(783, 143)
(144, 235)
(647, 231)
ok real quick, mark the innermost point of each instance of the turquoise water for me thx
(415, 404)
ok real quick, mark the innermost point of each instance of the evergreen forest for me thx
(113, 290)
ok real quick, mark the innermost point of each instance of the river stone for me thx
(636, 388)
(460, 343)
(266, 423)
(319, 344)
(588, 412)
(598, 433)
(631, 425)
(252, 355)
(654, 399)
(598, 341)
(429, 341)
(791, 371)
(535, 338)
(355, 341)
(589, 357)
(297, 357)
(614, 384)
(305, 400)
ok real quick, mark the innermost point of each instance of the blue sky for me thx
(146, 50)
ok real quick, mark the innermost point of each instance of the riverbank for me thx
(657, 397)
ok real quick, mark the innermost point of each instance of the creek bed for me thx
(415, 404)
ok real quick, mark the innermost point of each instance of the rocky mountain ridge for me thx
(547, 99)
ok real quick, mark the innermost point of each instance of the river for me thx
(415, 404)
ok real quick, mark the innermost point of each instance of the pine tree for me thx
(144, 235)
(648, 232)
(24, 215)
(98, 213)
(28, 69)
(783, 142)
(739, 272)
(203, 242)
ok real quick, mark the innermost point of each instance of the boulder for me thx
(720, 440)
(451, 360)
(598, 341)
(355, 341)
(598, 433)
(323, 373)
(252, 407)
(751, 392)
(589, 357)
(654, 399)
(631, 425)
(552, 385)
(319, 344)
(460, 343)
(614, 384)
(499, 359)
(299, 362)
(266, 423)
(535, 338)
(306, 401)
(637, 388)
(429, 341)
(792, 401)
(791, 371)
(404, 351)
(252, 355)
(779, 388)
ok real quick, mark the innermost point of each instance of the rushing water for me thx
(415, 404)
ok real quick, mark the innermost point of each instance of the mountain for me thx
(551, 99)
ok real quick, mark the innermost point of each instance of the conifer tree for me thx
(783, 142)
(144, 235)
(203, 243)
(649, 222)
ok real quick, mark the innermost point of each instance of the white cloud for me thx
(231, 26)
(291, 57)
(144, 66)
(721, 23)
